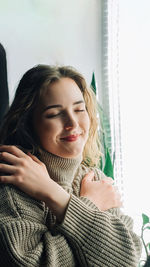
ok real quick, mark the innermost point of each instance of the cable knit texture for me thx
(31, 237)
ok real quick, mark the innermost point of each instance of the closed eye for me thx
(80, 110)
(53, 115)
(62, 113)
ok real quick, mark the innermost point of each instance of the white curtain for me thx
(109, 93)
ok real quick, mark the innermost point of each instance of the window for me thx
(125, 99)
(134, 58)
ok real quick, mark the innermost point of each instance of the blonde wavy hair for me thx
(18, 127)
(92, 149)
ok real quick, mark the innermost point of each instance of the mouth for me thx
(70, 138)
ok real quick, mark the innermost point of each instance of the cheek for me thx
(49, 129)
(42, 129)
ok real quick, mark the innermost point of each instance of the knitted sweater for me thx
(30, 235)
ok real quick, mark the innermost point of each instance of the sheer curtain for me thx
(110, 83)
(135, 109)
(125, 99)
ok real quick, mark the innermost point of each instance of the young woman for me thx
(55, 210)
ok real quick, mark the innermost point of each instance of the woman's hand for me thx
(29, 174)
(102, 193)
(24, 171)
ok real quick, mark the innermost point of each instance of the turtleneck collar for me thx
(61, 170)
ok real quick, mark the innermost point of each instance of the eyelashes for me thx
(53, 116)
(62, 113)
(80, 110)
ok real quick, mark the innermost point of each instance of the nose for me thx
(70, 123)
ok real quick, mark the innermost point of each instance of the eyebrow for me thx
(60, 106)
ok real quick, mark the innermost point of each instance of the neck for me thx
(61, 170)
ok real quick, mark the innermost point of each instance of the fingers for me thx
(7, 179)
(109, 180)
(34, 158)
(5, 168)
(113, 192)
(89, 177)
(12, 154)
(11, 179)
(7, 157)
(13, 150)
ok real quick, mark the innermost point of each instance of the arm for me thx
(110, 200)
(25, 240)
(97, 237)
(102, 237)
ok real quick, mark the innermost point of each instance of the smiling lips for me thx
(71, 138)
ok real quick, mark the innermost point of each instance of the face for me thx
(61, 121)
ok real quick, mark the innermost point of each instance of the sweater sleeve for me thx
(125, 219)
(25, 240)
(100, 237)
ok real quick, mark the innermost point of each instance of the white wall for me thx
(51, 32)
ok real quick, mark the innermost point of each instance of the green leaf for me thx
(145, 219)
(105, 137)
(148, 227)
(93, 83)
(108, 169)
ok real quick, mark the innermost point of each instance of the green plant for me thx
(106, 164)
(145, 227)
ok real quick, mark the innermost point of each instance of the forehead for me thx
(62, 91)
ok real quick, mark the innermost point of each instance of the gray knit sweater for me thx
(30, 235)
